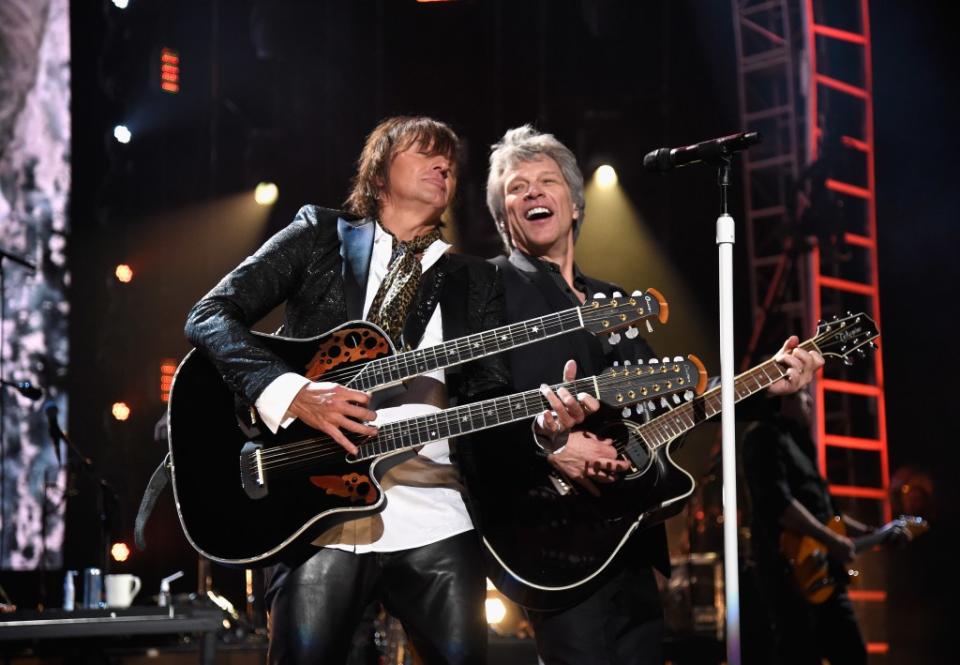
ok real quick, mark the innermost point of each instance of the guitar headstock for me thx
(603, 315)
(630, 383)
(847, 336)
(912, 524)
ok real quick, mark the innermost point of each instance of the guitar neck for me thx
(667, 427)
(461, 420)
(873, 539)
(391, 370)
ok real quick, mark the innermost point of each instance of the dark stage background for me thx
(285, 91)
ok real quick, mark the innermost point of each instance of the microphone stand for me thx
(107, 496)
(725, 239)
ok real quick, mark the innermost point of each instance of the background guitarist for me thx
(386, 262)
(788, 493)
(535, 195)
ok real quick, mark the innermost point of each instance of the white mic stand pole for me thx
(725, 240)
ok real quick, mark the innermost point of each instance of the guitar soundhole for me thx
(333, 351)
(352, 340)
(370, 342)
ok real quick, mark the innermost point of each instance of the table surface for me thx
(56, 623)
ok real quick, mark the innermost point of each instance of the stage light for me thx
(169, 70)
(605, 176)
(120, 411)
(122, 134)
(120, 552)
(496, 611)
(168, 368)
(121, 4)
(266, 193)
(124, 273)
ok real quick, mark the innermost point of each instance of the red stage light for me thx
(168, 367)
(169, 70)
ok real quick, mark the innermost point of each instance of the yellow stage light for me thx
(120, 411)
(605, 176)
(120, 552)
(266, 193)
(124, 273)
(496, 611)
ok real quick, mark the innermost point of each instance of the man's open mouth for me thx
(538, 213)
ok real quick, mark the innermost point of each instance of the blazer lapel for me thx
(356, 247)
(424, 303)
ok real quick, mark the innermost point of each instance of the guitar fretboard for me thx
(667, 427)
(465, 419)
(394, 369)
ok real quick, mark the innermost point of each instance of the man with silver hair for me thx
(535, 195)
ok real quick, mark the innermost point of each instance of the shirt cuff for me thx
(276, 398)
(548, 445)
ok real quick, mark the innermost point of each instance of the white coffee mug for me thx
(121, 589)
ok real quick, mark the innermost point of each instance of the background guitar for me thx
(816, 575)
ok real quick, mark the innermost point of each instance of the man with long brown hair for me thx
(385, 261)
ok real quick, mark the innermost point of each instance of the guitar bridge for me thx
(562, 486)
(252, 477)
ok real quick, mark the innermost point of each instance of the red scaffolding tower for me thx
(811, 231)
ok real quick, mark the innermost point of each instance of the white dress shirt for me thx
(414, 516)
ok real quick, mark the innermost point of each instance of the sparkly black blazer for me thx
(317, 266)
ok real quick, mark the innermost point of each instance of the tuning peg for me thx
(637, 293)
(688, 395)
(651, 407)
(664, 403)
(821, 322)
(626, 363)
(632, 333)
(873, 345)
(616, 363)
(614, 339)
(678, 359)
(626, 412)
(599, 295)
(653, 361)
(666, 359)
(617, 294)
(649, 327)
(676, 399)
(847, 361)
(640, 361)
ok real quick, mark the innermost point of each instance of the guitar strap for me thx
(159, 480)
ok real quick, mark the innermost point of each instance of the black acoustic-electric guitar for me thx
(267, 499)
(548, 542)
(232, 514)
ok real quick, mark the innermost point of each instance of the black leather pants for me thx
(436, 591)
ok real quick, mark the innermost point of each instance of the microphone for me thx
(712, 151)
(25, 388)
(52, 411)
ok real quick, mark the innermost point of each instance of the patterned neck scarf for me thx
(392, 301)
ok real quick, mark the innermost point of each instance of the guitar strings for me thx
(296, 453)
(564, 318)
(499, 405)
(660, 426)
(322, 447)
